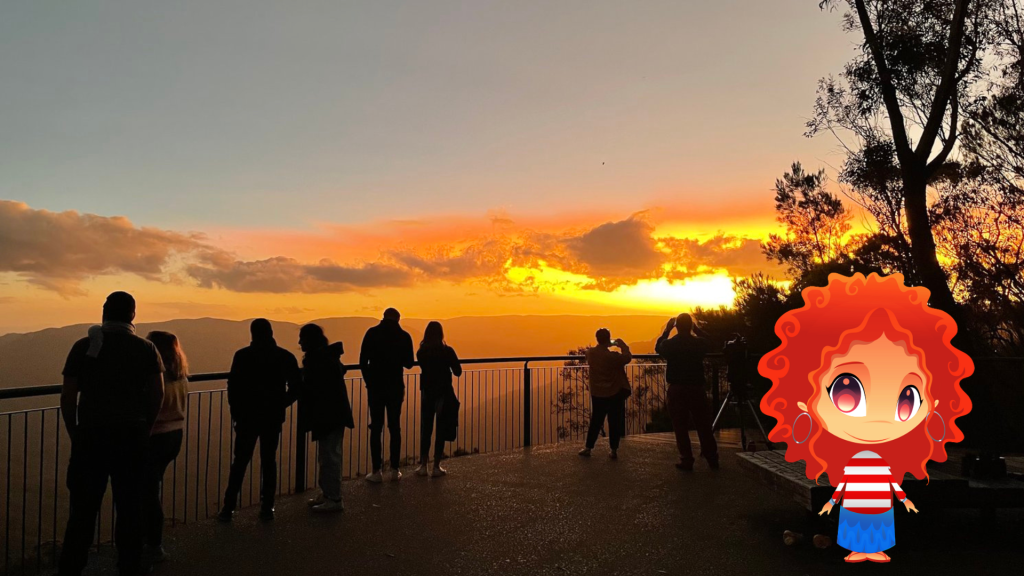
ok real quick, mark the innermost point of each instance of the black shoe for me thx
(226, 515)
(686, 466)
(713, 464)
(266, 514)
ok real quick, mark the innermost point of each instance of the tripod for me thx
(741, 398)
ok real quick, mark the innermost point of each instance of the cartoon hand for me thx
(910, 506)
(827, 508)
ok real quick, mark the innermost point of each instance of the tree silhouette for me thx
(919, 61)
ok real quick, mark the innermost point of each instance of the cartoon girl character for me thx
(866, 387)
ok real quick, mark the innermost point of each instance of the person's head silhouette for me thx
(312, 337)
(684, 323)
(604, 337)
(260, 329)
(119, 307)
(392, 315)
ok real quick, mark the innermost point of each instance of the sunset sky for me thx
(309, 159)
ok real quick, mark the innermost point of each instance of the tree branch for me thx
(954, 119)
(947, 84)
(889, 96)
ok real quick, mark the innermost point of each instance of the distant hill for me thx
(37, 358)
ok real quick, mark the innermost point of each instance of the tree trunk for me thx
(923, 252)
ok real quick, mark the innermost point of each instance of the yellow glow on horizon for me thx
(710, 290)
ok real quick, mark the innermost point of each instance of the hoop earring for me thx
(810, 421)
(929, 433)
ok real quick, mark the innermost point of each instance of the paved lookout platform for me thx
(546, 510)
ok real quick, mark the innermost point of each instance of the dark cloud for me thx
(57, 250)
(618, 250)
(283, 275)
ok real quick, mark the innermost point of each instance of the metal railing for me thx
(510, 404)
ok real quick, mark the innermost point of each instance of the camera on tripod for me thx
(738, 363)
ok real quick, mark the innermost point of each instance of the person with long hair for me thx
(439, 363)
(866, 387)
(165, 439)
(324, 410)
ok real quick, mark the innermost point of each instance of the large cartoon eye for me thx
(847, 395)
(908, 404)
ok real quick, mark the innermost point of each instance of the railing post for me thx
(527, 406)
(300, 454)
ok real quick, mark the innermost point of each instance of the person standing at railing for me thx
(384, 356)
(165, 441)
(684, 357)
(263, 382)
(609, 390)
(113, 389)
(439, 363)
(324, 410)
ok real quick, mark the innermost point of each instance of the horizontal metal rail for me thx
(51, 389)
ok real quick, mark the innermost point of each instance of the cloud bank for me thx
(59, 250)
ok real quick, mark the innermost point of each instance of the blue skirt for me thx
(866, 533)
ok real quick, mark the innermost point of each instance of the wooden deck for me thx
(941, 490)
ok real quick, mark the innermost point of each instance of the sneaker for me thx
(375, 478)
(396, 475)
(422, 470)
(226, 515)
(329, 506)
(614, 455)
(316, 501)
(585, 452)
(438, 471)
(154, 554)
(266, 514)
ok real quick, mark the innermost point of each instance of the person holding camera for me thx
(684, 355)
(609, 389)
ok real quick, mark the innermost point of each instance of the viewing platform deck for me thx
(545, 510)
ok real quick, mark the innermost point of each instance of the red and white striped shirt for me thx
(867, 485)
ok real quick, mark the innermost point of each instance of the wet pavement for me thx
(546, 510)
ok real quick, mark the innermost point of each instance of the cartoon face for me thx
(874, 393)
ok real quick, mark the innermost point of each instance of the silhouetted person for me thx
(609, 389)
(165, 441)
(324, 410)
(113, 390)
(438, 363)
(384, 356)
(684, 355)
(263, 382)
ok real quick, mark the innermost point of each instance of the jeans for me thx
(385, 400)
(245, 444)
(329, 454)
(163, 449)
(117, 453)
(686, 400)
(614, 409)
(430, 410)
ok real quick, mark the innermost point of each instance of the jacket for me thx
(607, 371)
(323, 403)
(385, 354)
(263, 382)
(438, 365)
(684, 358)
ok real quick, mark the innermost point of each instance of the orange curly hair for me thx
(859, 309)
